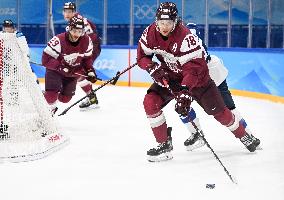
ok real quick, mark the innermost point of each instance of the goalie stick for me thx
(95, 90)
(205, 141)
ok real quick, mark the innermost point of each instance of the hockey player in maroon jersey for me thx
(69, 10)
(66, 57)
(184, 70)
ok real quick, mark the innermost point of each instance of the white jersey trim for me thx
(170, 58)
(53, 47)
(90, 48)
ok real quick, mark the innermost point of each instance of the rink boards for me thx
(257, 73)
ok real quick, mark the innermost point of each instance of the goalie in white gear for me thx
(9, 27)
(218, 72)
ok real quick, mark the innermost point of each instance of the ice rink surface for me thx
(106, 157)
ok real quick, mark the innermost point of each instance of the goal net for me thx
(27, 129)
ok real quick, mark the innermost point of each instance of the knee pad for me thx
(152, 103)
(51, 96)
(225, 117)
(64, 99)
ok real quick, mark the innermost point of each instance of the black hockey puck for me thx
(210, 186)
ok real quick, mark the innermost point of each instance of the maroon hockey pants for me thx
(207, 97)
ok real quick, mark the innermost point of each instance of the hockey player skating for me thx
(69, 10)
(183, 66)
(67, 55)
(218, 72)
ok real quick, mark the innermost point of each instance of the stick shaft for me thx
(204, 139)
(104, 84)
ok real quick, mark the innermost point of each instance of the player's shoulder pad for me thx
(148, 31)
(54, 43)
(90, 46)
(19, 34)
(78, 15)
(190, 41)
(55, 38)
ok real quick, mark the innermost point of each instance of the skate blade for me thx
(91, 107)
(162, 157)
(259, 147)
(196, 145)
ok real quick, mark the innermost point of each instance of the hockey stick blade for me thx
(101, 86)
(116, 79)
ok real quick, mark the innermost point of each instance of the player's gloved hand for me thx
(64, 68)
(158, 74)
(183, 101)
(92, 77)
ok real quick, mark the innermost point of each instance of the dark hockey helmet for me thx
(76, 22)
(70, 5)
(167, 11)
(8, 23)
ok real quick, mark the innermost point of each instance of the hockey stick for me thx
(215, 155)
(205, 141)
(113, 82)
(95, 90)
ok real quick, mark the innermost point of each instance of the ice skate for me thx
(163, 151)
(91, 102)
(194, 141)
(249, 142)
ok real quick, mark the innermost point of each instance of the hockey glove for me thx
(158, 74)
(183, 101)
(64, 68)
(92, 77)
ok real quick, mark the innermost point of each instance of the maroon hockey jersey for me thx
(180, 54)
(76, 56)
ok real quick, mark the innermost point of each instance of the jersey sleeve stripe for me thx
(192, 54)
(50, 51)
(146, 50)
